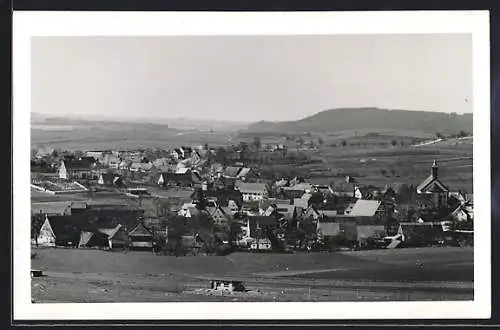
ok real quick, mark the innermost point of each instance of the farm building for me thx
(75, 169)
(140, 238)
(58, 231)
(415, 233)
(186, 178)
(112, 238)
(51, 208)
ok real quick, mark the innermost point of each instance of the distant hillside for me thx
(371, 119)
(101, 120)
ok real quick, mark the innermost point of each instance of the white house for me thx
(252, 191)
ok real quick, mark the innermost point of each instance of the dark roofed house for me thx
(259, 224)
(110, 179)
(224, 182)
(108, 238)
(59, 231)
(186, 179)
(75, 169)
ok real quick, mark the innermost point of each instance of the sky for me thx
(249, 78)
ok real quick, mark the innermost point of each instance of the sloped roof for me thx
(263, 220)
(300, 187)
(77, 164)
(328, 213)
(365, 207)
(85, 237)
(187, 177)
(193, 210)
(110, 232)
(51, 207)
(140, 230)
(246, 171)
(78, 205)
(66, 226)
(232, 171)
(251, 187)
(431, 184)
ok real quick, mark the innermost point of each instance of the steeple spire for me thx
(434, 169)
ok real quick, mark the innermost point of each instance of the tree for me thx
(257, 143)
(439, 135)
(235, 232)
(344, 143)
(36, 224)
(221, 155)
(394, 142)
(161, 207)
(462, 134)
(320, 141)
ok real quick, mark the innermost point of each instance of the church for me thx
(434, 189)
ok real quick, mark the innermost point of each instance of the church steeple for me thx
(434, 169)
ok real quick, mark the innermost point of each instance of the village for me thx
(214, 201)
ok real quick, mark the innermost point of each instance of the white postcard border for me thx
(28, 24)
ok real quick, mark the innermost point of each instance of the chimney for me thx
(434, 169)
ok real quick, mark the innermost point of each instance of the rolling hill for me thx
(371, 119)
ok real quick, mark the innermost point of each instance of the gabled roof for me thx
(424, 199)
(182, 170)
(110, 232)
(265, 221)
(431, 184)
(365, 207)
(232, 171)
(250, 187)
(187, 177)
(140, 230)
(82, 165)
(64, 225)
(245, 172)
(85, 237)
(303, 186)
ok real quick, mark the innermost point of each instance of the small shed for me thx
(227, 285)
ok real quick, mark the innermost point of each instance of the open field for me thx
(85, 139)
(75, 275)
(389, 165)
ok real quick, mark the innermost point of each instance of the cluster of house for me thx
(268, 213)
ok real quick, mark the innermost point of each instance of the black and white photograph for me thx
(251, 167)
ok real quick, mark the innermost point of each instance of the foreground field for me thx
(75, 275)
